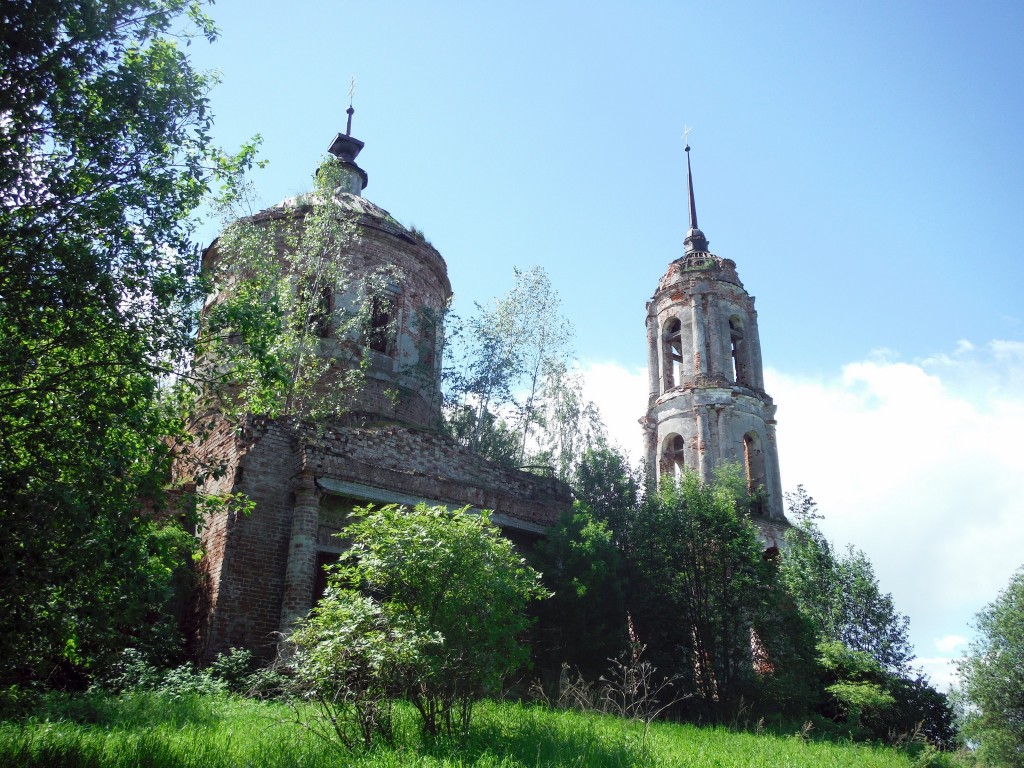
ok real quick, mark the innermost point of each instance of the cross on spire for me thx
(350, 110)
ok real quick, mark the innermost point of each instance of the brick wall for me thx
(245, 570)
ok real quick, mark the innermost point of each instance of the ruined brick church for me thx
(263, 570)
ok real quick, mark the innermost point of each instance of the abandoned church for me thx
(263, 570)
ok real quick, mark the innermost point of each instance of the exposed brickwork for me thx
(260, 568)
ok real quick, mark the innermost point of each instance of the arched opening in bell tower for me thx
(740, 363)
(673, 458)
(672, 354)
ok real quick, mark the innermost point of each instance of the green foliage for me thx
(701, 587)
(104, 154)
(608, 487)
(445, 592)
(495, 439)
(839, 595)
(510, 365)
(856, 682)
(134, 672)
(277, 341)
(839, 598)
(992, 680)
(583, 624)
(351, 659)
(868, 701)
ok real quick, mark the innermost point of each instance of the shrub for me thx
(428, 603)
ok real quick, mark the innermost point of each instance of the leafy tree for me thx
(453, 583)
(583, 624)
(608, 487)
(544, 336)
(839, 595)
(992, 680)
(510, 366)
(495, 440)
(839, 598)
(485, 362)
(567, 425)
(700, 586)
(856, 684)
(276, 342)
(104, 154)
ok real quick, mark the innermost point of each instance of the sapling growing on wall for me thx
(287, 329)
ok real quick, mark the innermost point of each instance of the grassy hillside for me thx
(209, 732)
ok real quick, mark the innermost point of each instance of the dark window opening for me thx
(321, 320)
(428, 339)
(380, 335)
(323, 560)
(673, 353)
(317, 309)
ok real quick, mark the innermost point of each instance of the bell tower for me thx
(707, 402)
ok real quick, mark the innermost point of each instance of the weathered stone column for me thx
(705, 463)
(725, 443)
(754, 345)
(654, 352)
(700, 348)
(650, 429)
(776, 507)
(300, 571)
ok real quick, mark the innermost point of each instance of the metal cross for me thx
(351, 90)
(686, 134)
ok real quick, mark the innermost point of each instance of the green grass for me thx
(210, 732)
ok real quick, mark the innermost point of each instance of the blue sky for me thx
(861, 163)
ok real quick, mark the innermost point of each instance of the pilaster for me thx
(301, 567)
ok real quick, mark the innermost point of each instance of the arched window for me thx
(740, 364)
(673, 459)
(672, 354)
(754, 461)
(381, 333)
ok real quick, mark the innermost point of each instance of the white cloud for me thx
(917, 463)
(950, 643)
(941, 671)
(621, 395)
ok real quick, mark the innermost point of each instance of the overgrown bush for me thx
(235, 672)
(427, 604)
(350, 659)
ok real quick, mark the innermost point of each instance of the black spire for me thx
(695, 240)
(346, 148)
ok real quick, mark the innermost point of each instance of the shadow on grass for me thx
(534, 736)
(131, 710)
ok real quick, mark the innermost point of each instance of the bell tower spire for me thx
(695, 241)
(707, 404)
